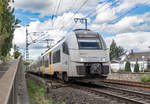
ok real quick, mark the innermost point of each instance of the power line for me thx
(57, 11)
(73, 4)
(94, 13)
(99, 8)
(75, 13)
(121, 15)
(53, 14)
(130, 11)
(115, 20)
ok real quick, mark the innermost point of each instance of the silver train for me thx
(80, 55)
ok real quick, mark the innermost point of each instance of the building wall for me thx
(127, 76)
(116, 66)
(141, 65)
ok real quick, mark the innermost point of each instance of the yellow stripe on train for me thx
(50, 63)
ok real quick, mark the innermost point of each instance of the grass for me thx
(145, 79)
(37, 94)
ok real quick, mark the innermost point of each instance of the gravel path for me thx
(76, 96)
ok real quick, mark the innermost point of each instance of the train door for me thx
(65, 57)
(50, 63)
(43, 65)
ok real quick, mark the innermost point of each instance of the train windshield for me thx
(89, 43)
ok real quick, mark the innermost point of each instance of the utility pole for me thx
(27, 45)
(81, 21)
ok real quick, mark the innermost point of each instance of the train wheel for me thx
(65, 77)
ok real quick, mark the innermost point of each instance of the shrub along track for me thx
(113, 94)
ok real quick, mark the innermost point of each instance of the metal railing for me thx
(13, 85)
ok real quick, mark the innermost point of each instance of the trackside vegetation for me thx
(127, 67)
(136, 67)
(37, 94)
(145, 79)
(115, 51)
(8, 23)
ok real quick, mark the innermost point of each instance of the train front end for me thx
(90, 56)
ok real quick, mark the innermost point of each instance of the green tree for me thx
(115, 51)
(127, 67)
(136, 67)
(8, 24)
(16, 51)
(16, 54)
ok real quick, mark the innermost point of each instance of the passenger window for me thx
(56, 57)
(65, 48)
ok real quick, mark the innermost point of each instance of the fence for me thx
(13, 85)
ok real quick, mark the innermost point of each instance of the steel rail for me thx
(128, 83)
(119, 94)
(111, 95)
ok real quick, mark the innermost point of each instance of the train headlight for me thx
(81, 59)
(103, 59)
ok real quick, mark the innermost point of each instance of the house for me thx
(143, 59)
(115, 65)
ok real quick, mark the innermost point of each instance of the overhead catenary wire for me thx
(115, 20)
(56, 11)
(75, 13)
(110, 5)
(73, 4)
(91, 14)
(99, 8)
(122, 14)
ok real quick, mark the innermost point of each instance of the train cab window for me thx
(89, 43)
(56, 57)
(65, 48)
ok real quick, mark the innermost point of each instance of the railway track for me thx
(119, 95)
(140, 85)
(114, 94)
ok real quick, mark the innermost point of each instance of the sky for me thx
(125, 21)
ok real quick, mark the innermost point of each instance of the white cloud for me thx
(48, 7)
(104, 13)
(137, 40)
(128, 4)
(127, 29)
(126, 24)
(45, 31)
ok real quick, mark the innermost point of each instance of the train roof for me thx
(85, 32)
(57, 44)
(78, 32)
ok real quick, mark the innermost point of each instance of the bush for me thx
(136, 67)
(16, 54)
(146, 70)
(127, 67)
(37, 94)
(120, 70)
(145, 79)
